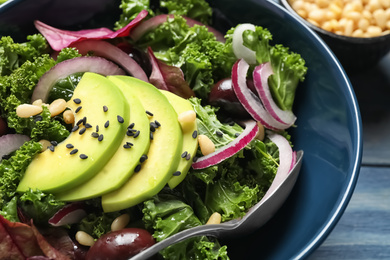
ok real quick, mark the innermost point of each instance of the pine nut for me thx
(84, 238)
(261, 134)
(27, 110)
(206, 145)
(37, 102)
(120, 222)
(57, 107)
(68, 117)
(45, 144)
(215, 218)
(380, 18)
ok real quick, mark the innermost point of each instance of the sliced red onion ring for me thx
(287, 160)
(113, 53)
(241, 51)
(11, 142)
(249, 133)
(69, 214)
(157, 20)
(249, 100)
(260, 80)
(61, 70)
(59, 39)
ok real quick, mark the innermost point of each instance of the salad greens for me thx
(230, 188)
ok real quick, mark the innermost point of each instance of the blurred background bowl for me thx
(355, 53)
(329, 127)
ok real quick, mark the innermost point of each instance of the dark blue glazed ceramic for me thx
(328, 129)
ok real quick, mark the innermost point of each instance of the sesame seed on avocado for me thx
(64, 168)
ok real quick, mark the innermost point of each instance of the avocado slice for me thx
(190, 141)
(163, 154)
(122, 164)
(61, 168)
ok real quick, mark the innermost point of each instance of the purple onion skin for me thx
(121, 244)
(222, 95)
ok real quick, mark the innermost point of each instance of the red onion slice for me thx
(61, 70)
(113, 53)
(59, 39)
(260, 80)
(157, 20)
(69, 214)
(287, 160)
(249, 100)
(249, 133)
(11, 142)
(241, 51)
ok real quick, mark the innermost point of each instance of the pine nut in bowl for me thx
(358, 32)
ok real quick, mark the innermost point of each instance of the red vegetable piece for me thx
(168, 78)
(260, 78)
(59, 39)
(17, 240)
(249, 133)
(113, 53)
(69, 214)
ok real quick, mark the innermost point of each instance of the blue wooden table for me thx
(363, 231)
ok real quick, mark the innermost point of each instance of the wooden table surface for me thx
(363, 231)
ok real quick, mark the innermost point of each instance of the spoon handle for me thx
(209, 230)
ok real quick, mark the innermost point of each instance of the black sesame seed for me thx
(95, 135)
(88, 125)
(128, 143)
(137, 168)
(219, 133)
(105, 108)
(154, 124)
(152, 128)
(195, 134)
(136, 134)
(151, 135)
(75, 128)
(82, 131)
(157, 123)
(120, 119)
(69, 146)
(97, 128)
(84, 120)
(188, 157)
(236, 134)
(83, 156)
(100, 138)
(149, 113)
(77, 100)
(131, 126)
(54, 143)
(129, 133)
(143, 158)
(80, 121)
(177, 173)
(78, 109)
(107, 124)
(194, 159)
(51, 148)
(38, 118)
(74, 151)
(126, 146)
(183, 155)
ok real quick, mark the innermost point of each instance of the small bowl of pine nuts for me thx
(357, 31)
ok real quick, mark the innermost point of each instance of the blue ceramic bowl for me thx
(329, 124)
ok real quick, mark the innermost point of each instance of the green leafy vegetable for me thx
(12, 170)
(39, 206)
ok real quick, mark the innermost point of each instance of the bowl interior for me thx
(328, 125)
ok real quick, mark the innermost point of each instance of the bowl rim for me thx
(338, 211)
(356, 40)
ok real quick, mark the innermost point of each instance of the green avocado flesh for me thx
(60, 170)
(122, 164)
(163, 154)
(190, 144)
